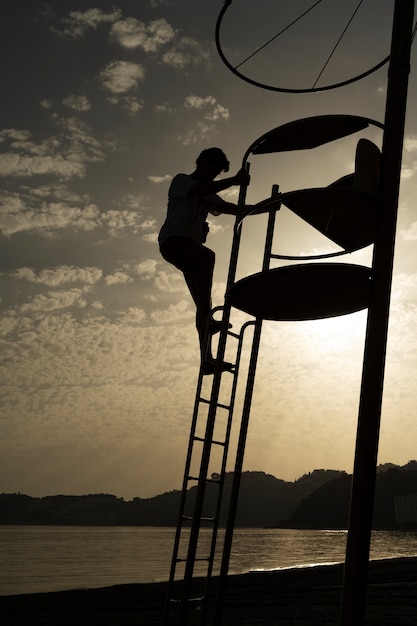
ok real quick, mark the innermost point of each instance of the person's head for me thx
(213, 160)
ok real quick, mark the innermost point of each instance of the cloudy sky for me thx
(102, 104)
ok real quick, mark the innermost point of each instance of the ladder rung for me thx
(217, 481)
(218, 404)
(230, 371)
(189, 518)
(223, 406)
(197, 558)
(214, 441)
(199, 600)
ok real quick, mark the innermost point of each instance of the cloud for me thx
(119, 221)
(47, 209)
(175, 313)
(213, 112)
(119, 77)
(151, 237)
(47, 103)
(64, 155)
(118, 278)
(230, 195)
(132, 33)
(133, 316)
(410, 143)
(164, 108)
(77, 102)
(146, 268)
(16, 136)
(22, 166)
(160, 179)
(410, 233)
(405, 281)
(186, 51)
(153, 37)
(26, 213)
(58, 276)
(79, 22)
(131, 104)
(170, 282)
(133, 201)
(408, 172)
(55, 300)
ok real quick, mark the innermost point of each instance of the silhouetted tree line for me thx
(319, 499)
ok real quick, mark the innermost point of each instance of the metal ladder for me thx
(194, 590)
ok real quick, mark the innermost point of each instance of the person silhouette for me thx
(191, 197)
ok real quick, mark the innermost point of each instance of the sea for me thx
(38, 559)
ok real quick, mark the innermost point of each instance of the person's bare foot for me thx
(209, 366)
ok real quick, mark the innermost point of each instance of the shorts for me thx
(185, 253)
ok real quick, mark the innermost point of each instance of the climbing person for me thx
(191, 198)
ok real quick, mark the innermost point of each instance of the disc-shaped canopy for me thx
(309, 132)
(344, 215)
(303, 292)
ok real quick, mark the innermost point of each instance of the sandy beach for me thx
(307, 597)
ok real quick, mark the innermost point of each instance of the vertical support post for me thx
(364, 473)
(237, 234)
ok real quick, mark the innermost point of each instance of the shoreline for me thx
(298, 596)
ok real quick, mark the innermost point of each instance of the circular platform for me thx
(304, 292)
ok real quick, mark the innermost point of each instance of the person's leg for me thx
(196, 262)
(198, 271)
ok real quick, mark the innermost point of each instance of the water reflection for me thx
(44, 558)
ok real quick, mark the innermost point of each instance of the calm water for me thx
(51, 558)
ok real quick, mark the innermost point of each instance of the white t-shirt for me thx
(186, 214)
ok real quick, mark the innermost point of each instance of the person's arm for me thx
(263, 206)
(214, 186)
(260, 207)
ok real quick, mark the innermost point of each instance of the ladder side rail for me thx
(270, 231)
(202, 478)
(241, 337)
(230, 525)
(185, 484)
(237, 233)
(237, 474)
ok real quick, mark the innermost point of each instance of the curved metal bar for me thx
(366, 120)
(284, 89)
(254, 211)
(311, 257)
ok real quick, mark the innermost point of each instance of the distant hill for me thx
(328, 506)
(263, 501)
(319, 499)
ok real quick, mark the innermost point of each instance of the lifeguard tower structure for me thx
(355, 212)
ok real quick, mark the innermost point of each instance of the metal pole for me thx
(237, 474)
(364, 474)
(240, 452)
